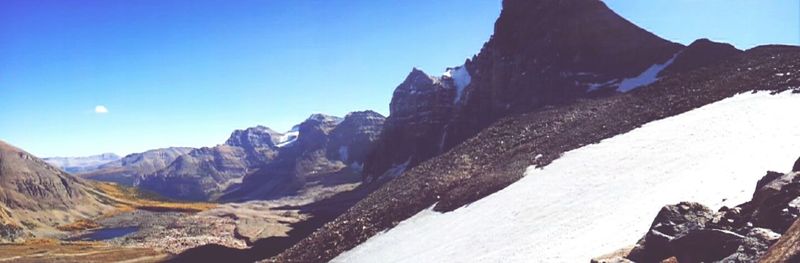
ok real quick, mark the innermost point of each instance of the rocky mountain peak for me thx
(542, 53)
(700, 53)
(576, 35)
(253, 137)
(313, 132)
(319, 118)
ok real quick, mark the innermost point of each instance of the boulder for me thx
(796, 167)
(705, 245)
(672, 221)
(775, 204)
(612, 260)
(754, 245)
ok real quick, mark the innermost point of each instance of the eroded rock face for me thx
(542, 53)
(421, 107)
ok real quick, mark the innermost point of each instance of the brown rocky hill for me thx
(36, 197)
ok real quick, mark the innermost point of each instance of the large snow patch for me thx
(603, 197)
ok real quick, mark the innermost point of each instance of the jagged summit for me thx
(577, 35)
(542, 53)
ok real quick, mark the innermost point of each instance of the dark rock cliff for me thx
(544, 52)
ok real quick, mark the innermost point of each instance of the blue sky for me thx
(187, 73)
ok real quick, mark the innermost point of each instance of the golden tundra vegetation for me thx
(124, 199)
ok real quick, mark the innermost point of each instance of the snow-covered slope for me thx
(602, 197)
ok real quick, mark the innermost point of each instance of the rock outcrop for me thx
(692, 233)
(671, 222)
(542, 53)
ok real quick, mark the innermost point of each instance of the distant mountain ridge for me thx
(127, 169)
(258, 162)
(81, 164)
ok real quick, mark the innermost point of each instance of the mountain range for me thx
(551, 145)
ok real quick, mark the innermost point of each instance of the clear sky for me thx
(86, 77)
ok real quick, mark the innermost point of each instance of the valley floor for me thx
(88, 252)
(602, 197)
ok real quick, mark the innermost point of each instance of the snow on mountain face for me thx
(601, 197)
(287, 138)
(646, 78)
(461, 79)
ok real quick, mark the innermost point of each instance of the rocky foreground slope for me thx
(691, 232)
(36, 198)
(499, 155)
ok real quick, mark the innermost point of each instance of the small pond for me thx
(106, 234)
